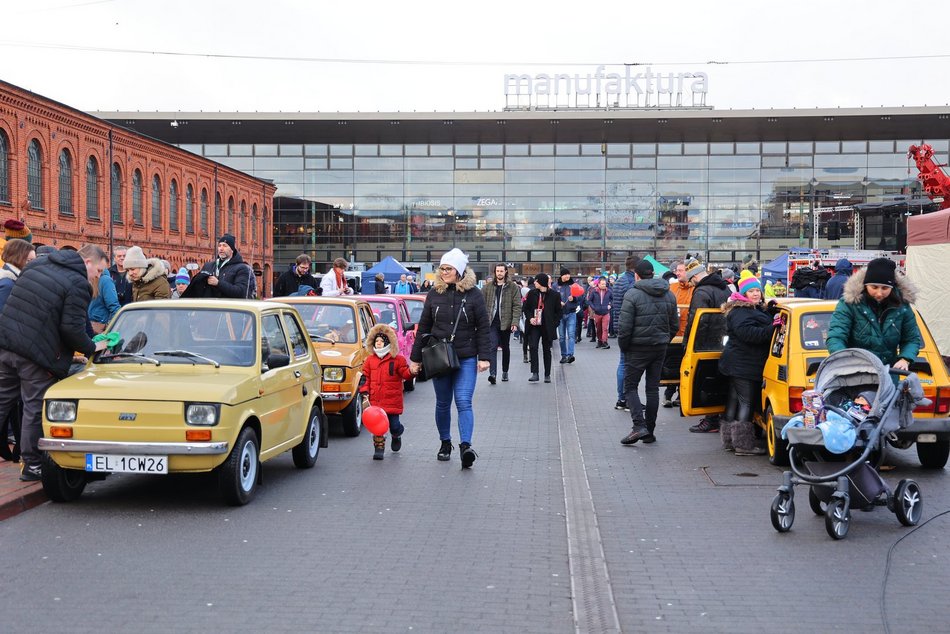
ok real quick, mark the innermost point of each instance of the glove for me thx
(772, 307)
(777, 321)
(111, 339)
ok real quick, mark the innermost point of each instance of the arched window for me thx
(189, 209)
(92, 189)
(4, 168)
(204, 211)
(156, 202)
(115, 196)
(254, 223)
(65, 183)
(173, 205)
(137, 196)
(264, 229)
(243, 236)
(34, 174)
(217, 214)
(231, 215)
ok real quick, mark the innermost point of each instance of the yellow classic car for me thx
(796, 350)
(338, 327)
(187, 386)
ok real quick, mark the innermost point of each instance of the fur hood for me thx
(9, 272)
(738, 304)
(153, 270)
(854, 289)
(390, 334)
(467, 282)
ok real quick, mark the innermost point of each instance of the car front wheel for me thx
(352, 417)
(237, 478)
(305, 454)
(62, 485)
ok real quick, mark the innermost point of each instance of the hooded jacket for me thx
(443, 305)
(623, 284)
(750, 329)
(153, 284)
(233, 279)
(710, 292)
(835, 286)
(509, 313)
(809, 282)
(385, 376)
(648, 315)
(44, 319)
(889, 329)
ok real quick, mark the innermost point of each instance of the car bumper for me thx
(336, 396)
(138, 448)
(938, 426)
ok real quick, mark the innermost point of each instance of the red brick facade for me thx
(75, 203)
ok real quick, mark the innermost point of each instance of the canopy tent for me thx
(777, 269)
(391, 270)
(658, 269)
(928, 254)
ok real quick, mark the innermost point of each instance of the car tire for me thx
(352, 417)
(778, 447)
(237, 477)
(62, 485)
(933, 455)
(305, 454)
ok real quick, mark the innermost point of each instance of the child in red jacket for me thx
(385, 370)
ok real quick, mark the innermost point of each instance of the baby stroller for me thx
(836, 487)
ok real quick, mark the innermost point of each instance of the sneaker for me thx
(570, 359)
(491, 379)
(649, 438)
(397, 443)
(606, 346)
(622, 405)
(504, 377)
(705, 426)
(599, 345)
(526, 359)
(564, 359)
(31, 473)
(533, 378)
(445, 451)
(468, 455)
(667, 403)
(637, 433)
(751, 451)
(547, 378)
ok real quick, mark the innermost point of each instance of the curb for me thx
(23, 502)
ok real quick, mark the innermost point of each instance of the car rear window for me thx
(814, 330)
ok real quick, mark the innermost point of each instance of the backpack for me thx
(251, 283)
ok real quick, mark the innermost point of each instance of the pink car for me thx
(393, 310)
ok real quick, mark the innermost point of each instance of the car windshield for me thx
(328, 322)
(815, 330)
(185, 336)
(385, 313)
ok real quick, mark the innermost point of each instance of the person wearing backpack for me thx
(228, 276)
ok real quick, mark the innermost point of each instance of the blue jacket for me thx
(623, 284)
(569, 303)
(106, 304)
(598, 305)
(835, 286)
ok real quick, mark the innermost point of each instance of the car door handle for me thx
(297, 373)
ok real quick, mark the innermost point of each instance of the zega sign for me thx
(600, 89)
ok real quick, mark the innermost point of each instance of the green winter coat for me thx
(854, 323)
(510, 312)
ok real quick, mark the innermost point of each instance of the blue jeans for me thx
(566, 331)
(395, 427)
(621, 394)
(461, 385)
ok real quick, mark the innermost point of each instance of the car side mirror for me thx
(275, 361)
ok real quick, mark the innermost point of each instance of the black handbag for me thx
(439, 357)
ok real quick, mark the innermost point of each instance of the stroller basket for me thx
(865, 483)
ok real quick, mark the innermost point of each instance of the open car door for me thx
(702, 389)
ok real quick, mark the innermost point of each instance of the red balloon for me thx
(576, 290)
(376, 420)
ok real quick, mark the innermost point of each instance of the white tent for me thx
(928, 260)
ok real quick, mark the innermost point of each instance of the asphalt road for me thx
(557, 528)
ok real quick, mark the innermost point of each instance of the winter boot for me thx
(744, 440)
(725, 433)
(445, 451)
(379, 445)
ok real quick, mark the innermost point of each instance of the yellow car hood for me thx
(340, 355)
(166, 383)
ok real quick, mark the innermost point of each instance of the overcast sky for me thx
(454, 55)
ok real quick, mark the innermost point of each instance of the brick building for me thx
(64, 173)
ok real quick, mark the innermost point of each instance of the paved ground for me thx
(558, 528)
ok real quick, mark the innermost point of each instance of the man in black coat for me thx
(543, 305)
(229, 276)
(296, 276)
(648, 322)
(42, 325)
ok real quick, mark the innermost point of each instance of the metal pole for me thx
(214, 220)
(111, 219)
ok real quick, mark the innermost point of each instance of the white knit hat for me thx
(135, 259)
(454, 258)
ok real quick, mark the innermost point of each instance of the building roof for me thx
(542, 126)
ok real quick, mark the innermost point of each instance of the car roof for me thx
(801, 304)
(316, 299)
(253, 305)
(395, 299)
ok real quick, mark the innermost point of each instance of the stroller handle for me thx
(898, 371)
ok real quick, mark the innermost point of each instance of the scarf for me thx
(218, 265)
(381, 352)
(340, 279)
(739, 297)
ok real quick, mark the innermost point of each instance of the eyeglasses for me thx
(446, 269)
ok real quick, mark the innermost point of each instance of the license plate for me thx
(110, 463)
(926, 437)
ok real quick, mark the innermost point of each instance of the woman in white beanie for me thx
(455, 297)
(148, 276)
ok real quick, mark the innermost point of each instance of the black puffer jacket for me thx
(550, 314)
(711, 292)
(750, 330)
(442, 306)
(234, 278)
(44, 318)
(648, 315)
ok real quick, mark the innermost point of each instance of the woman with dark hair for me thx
(542, 310)
(455, 305)
(16, 254)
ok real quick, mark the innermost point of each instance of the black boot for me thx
(468, 455)
(379, 445)
(445, 451)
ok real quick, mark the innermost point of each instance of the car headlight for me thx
(202, 413)
(333, 373)
(61, 411)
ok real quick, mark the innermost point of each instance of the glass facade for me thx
(583, 205)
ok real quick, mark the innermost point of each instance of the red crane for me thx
(935, 181)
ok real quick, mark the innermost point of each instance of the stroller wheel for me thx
(814, 502)
(838, 518)
(783, 512)
(907, 503)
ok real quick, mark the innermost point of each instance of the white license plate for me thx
(109, 463)
(926, 437)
